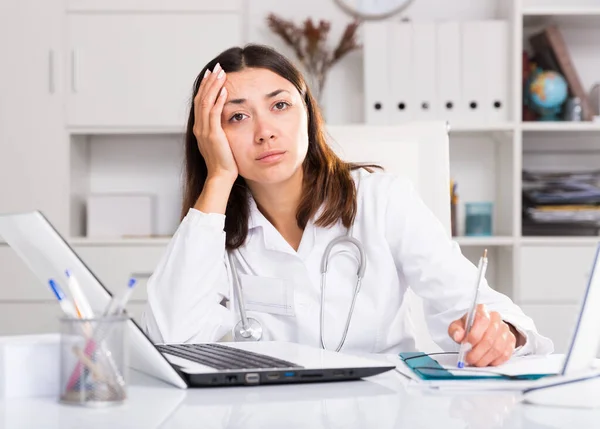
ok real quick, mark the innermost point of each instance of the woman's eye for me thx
(281, 105)
(237, 117)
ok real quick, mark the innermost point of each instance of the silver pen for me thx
(482, 266)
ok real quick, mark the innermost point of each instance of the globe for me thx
(547, 90)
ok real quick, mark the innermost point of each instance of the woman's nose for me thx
(264, 132)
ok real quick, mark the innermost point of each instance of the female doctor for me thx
(264, 196)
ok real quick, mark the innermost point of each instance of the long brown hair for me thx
(326, 181)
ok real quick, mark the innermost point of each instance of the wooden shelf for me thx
(484, 241)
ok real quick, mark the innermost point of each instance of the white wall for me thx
(344, 92)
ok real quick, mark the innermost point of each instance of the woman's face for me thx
(266, 124)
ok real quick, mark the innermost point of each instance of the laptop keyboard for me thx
(223, 357)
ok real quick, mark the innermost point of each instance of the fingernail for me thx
(221, 74)
(456, 335)
(206, 73)
(217, 68)
(223, 92)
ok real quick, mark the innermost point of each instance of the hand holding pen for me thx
(485, 339)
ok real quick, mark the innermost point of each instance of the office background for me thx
(93, 109)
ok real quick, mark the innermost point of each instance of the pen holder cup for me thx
(93, 361)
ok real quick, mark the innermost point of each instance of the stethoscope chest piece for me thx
(253, 332)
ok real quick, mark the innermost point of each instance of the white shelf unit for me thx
(552, 271)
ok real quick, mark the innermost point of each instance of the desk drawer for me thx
(115, 265)
(554, 274)
(554, 321)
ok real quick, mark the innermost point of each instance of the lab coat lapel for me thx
(272, 239)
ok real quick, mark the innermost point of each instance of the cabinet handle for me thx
(141, 275)
(73, 68)
(51, 86)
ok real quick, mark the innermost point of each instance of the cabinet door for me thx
(34, 167)
(556, 322)
(137, 70)
(554, 274)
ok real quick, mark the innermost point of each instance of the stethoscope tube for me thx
(360, 272)
(248, 328)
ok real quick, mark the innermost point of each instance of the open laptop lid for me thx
(585, 339)
(48, 255)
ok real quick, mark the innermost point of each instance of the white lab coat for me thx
(405, 246)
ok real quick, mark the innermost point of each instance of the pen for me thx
(482, 266)
(63, 301)
(81, 303)
(118, 302)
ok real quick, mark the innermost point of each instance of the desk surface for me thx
(380, 402)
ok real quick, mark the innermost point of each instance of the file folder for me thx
(427, 368)
(401, 73)
(448, 72)
(424, 70)
(497, 71)
(473, 72)
(376, 73)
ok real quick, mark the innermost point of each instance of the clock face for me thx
(373, 9)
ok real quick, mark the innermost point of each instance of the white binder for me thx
(376, 73)
(448, 73)
(497, 72)
(473, 72)
(401, 72)
(424, 70)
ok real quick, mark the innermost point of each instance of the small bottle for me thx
(573, 110)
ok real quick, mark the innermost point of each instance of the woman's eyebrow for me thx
(269, 95)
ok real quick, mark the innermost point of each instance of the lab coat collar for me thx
(273, 240)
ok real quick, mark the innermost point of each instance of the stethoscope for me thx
(250, 329)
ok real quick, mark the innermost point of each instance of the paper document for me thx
(446, 376)
(516, 366)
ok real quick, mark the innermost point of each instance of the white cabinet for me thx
(554, 274)
(136, 70)
(20, 318)
(115, 265)
(34, 157)
(554, 321)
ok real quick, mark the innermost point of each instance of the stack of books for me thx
(561, 203)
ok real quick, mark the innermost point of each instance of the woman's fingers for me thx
(214, 84)
(217, 110)
(206, 96)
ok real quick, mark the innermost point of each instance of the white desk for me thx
(379, 402)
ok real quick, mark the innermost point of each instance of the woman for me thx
(265, 195)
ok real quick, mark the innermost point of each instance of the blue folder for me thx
(428, 368)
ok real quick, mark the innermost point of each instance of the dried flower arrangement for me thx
(309, 43)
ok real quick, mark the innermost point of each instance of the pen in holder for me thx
(93, 360)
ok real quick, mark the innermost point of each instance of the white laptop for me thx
(48, 255)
